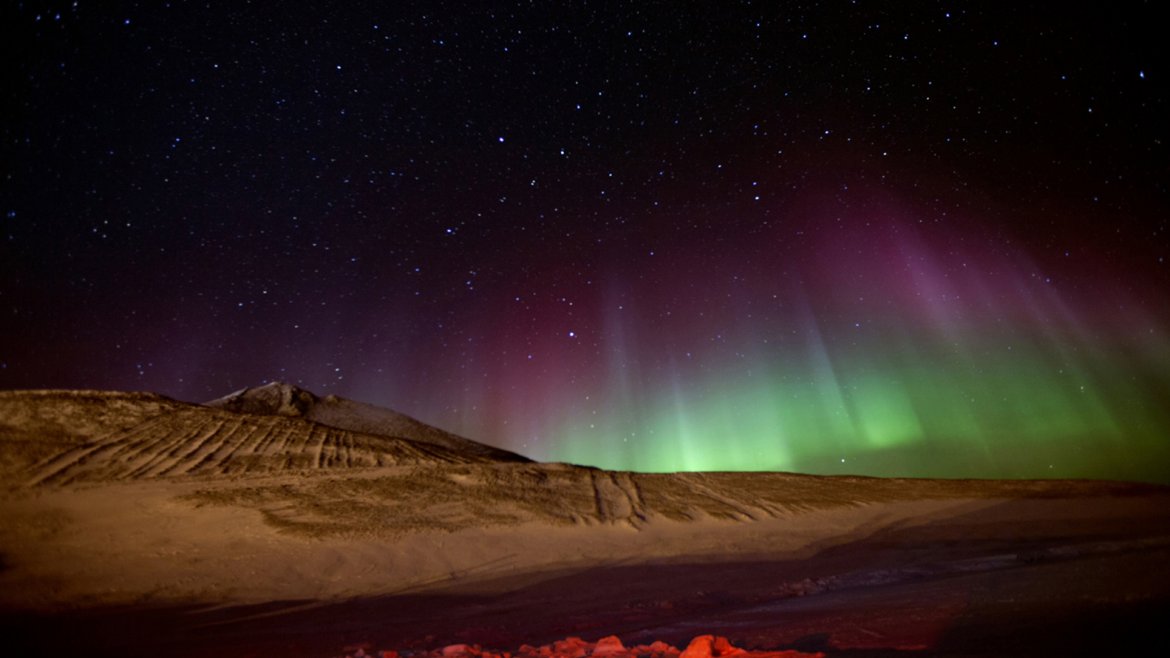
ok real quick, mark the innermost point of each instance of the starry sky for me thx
(912, 238)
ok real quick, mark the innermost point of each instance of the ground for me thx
(160, 528)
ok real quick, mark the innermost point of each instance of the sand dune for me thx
(273, 514)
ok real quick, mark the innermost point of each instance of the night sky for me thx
(890, 238)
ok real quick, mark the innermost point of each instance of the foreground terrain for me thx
(275, 521)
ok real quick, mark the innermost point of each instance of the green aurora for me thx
(949, 375)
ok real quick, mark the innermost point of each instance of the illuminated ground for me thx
(137, 525)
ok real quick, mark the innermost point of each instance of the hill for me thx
(280, 399)
(276, 522)
(64, 437)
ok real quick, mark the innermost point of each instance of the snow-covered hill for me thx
(227, 529)
(59, 437)
(281, 399)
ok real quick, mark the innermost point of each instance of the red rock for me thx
(609, 646)
(570, 647)
(700, 647)
(659, 649)
(458, 651)
(723, 647)
(703, 646)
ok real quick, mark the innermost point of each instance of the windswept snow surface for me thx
(274, 522)
(64, 437)
(278, 398)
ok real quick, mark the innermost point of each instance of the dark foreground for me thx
(956, 588)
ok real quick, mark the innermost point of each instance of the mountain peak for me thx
(283, 399)
(274, 398)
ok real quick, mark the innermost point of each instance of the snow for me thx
(279, 398)
(331, 514)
